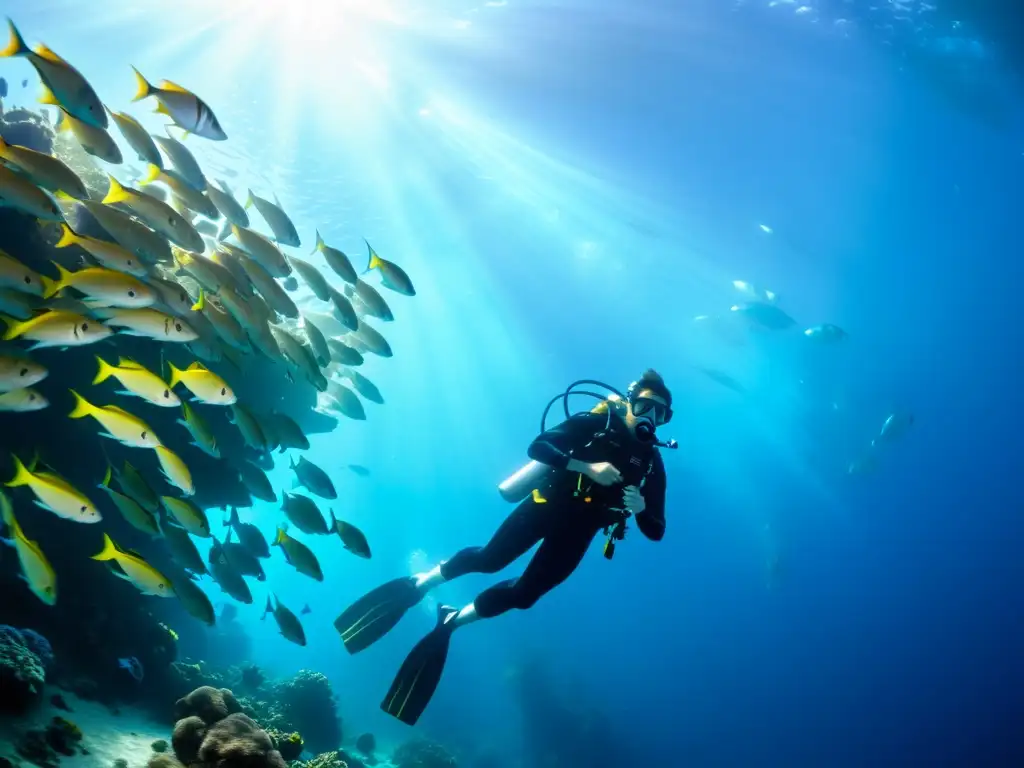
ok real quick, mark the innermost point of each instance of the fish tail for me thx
(21, 474)
(175, 376)
(279, 539)
(109, 551)
(53, 287)
(151, 175)
(268, 609)
(106, 370)
(105, 483)
(82, 407)
(373, 260)
(319, 243)
(13, 327)
(8, 514)
(67, 236)
(116, 193)
(249, 202)
(16, 46)
(143, 88)
(200, 304)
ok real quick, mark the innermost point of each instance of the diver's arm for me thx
(555, 446)
(651, 521)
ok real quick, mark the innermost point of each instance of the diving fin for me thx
(421, 671)
(376, 613)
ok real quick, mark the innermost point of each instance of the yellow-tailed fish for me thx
(351, 537)
(173, 299)
(206, 385)
(64, 85)
(298, 555)
(188, 515)
(19, 371)
(202, 436)
(22, 401)
(336, 260)
(120, 425)
(138, 138)
(208, 273)
(183, 550)
(21, 194)
(150, 323)
(44, 170)
(36, 570)
(311, 275)
(55, 494)
(194, 600)
(138, 517)
(137, 380)
(228, 329)
(135, 486)
(156, 214)
(192, 198)
(110, 255)
(227, 205)
(392, 275)
(104, 287)
(56, 328)
(175, 471)
(130, 234)
(263, 251)
(231, 258)
(188, 111)
(15, 275)
(184, 162)
(96, 141)
(278, 221)
(143, 576)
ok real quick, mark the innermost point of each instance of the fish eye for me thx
(143, 434)
(223, 390)
(170, 220)
(85, 326)
(177, 327)
(167, 393)
(85, 509)
(131, 293)
(48, 590)
(24, 372)
(28, 279)
(31, 398)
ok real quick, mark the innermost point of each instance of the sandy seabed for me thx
(107, 736)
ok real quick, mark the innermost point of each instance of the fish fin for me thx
(162, 110)
(46, 97)
(67, 237)
(48, 54)
(152, 174)
(167, 85)
(106, 477)
(320, 245)
(82, 407)
(109, 551)
(16, 46)
(373, 260)
(175, 376)
(249, 201)
(200, 304)
(143, 88)
(116, 193)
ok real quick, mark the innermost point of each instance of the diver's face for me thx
(649, 407)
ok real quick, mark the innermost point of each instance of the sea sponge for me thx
(209, 703)
(188, 736)
(21, 672)
(237, 742)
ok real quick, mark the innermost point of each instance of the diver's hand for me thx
(633, 500)
(602, 473)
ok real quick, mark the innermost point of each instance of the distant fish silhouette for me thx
(133, 667)
(359, 469)
(305, 609)
(3, 87)
(724, 379)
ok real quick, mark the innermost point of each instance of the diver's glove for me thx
(633, 500)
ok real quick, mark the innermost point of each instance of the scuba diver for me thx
(590, 473)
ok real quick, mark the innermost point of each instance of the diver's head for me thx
(650, 404)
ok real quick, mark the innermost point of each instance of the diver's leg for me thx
(520, 530)
(557, 558)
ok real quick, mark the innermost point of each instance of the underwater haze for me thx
(803, 215)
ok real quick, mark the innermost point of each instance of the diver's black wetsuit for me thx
(576, 508)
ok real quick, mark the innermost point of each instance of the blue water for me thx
(569, 184)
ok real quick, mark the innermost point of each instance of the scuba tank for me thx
(532, 475)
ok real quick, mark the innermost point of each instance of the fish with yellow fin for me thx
(21, 194)
(110, 255)
(188, 111)
(174, 470)
(95, 141)
(143, 576)
(36, 570)
(120, 425)
(206, 385)
(137, 381)
(104, 287)
(55, 494)
(392, 275)
(63, 85)
(130, 509)
(157, 214)
(44, 170)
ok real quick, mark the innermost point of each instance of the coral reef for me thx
(39, 645)
(308, 701)
(326, 760)
(29, 129)
(290, 745)
(160, 745)
(43, 746)
(213, 732)
(208, 703)
(22, 673)
(420, 753)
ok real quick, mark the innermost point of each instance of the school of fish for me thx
(182, 265)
